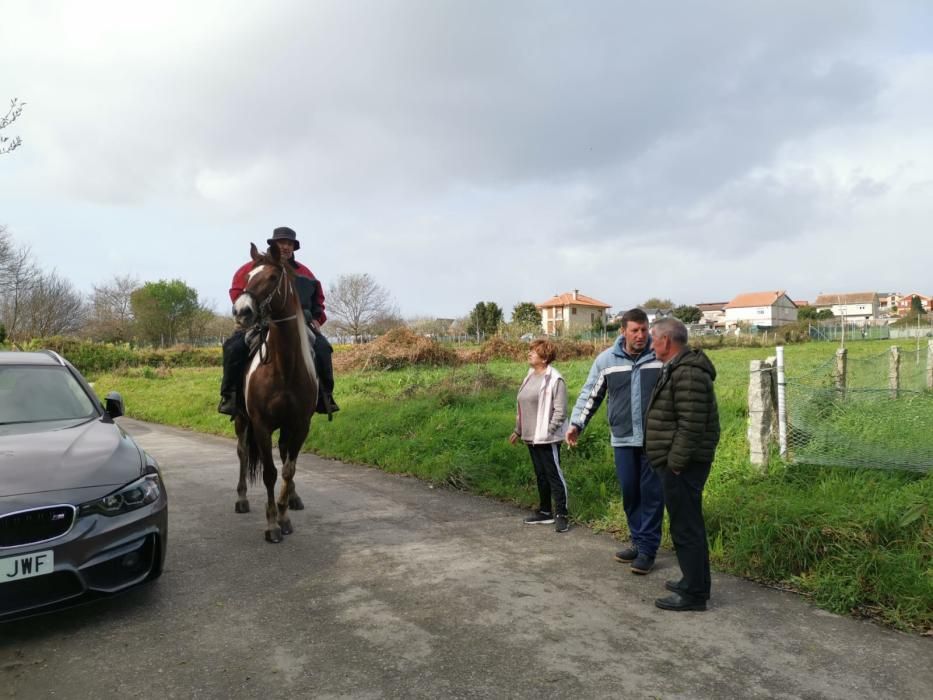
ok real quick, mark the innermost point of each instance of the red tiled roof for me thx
(845, 298)
(566, 299)
(754, 299)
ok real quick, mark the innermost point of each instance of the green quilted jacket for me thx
(683, 419)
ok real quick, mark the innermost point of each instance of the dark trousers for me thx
(683, 494)
(551, 484)
(642, 498)
(236, 357)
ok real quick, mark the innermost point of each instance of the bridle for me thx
(264, 312)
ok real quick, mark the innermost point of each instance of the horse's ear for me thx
(254, 251)
(275, 253)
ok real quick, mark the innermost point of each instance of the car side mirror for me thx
(114, 404)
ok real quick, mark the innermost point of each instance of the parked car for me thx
(83, 510)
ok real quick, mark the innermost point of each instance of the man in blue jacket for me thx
(627, 372)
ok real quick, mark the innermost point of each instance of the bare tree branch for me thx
(357, 302)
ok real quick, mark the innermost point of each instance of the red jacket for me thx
(241, 277)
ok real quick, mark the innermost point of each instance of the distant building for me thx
(571, 312)
(714, 313)
(654, 314)
(853, 307)
(761, 310)
(887, 302)
(906, 301)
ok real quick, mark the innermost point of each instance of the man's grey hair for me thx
(670, 328)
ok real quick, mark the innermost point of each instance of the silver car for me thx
(83, 510)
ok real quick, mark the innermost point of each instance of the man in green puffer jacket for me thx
(682, 431)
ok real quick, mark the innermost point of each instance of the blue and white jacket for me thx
(629, 383)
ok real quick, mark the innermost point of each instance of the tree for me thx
(688, 314)
(9, 144)
(526, 317)
(17, 277)
(110, 312)
(162, 309)
(484, 319)
(916, 306)
(657, 303)
(824, 314)
(357, 302)
(806, 313)
(51, 306)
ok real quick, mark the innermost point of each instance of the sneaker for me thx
(642, 564)
(539, 518)
(561, 524)
(626, 555)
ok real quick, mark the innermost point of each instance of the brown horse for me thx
(280, 387)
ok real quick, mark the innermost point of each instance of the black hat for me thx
(284, 232)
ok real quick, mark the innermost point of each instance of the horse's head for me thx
(269, 294)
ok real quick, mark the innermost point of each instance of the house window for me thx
(573, 310)
(761, 311)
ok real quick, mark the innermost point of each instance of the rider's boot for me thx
(235, 355)
(325, 371)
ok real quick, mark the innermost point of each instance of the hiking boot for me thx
(626, 555)
(227, 403)
(561, 524)
(642, 564)
(678, 601)
(539, 518)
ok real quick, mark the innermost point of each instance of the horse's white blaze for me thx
(254, 271)
(244, 301)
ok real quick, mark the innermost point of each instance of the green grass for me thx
(856, 541)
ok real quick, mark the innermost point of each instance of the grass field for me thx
(856, 541)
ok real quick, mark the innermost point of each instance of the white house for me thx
(853, 307)
(760, 309)
(571, 312)
(714, 313)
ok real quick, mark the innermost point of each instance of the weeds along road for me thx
(389, 588)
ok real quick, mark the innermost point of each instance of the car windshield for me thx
(34, 394)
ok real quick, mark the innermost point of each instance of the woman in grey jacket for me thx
(541, 423)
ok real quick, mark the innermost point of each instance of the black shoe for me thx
(626, 555)
(677, 601)
(227, 404)
(561, 524)
(674, 586)
(642, 565)
(539, 518)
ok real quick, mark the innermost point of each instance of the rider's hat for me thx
(284, 232)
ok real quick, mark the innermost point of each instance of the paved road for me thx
(391, 589)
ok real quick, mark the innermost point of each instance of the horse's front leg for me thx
(286, 494)
(294, 500)
(242, 451)
(269, 477)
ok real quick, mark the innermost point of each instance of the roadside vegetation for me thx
(856, 541)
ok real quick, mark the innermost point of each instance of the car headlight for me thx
(139, 493)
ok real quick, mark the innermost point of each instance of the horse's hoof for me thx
(295, 502)
(286, 527)
(274, 536)
(241, 507)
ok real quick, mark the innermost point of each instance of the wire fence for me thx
(870, 412)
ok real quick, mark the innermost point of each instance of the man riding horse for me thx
(311, 294)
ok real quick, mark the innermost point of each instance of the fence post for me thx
(894, 370)
(930, 365)
(760, 412)
(839, 372)
(781, 403)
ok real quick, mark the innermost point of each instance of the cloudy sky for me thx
(472, 150)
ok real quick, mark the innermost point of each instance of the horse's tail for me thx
(253, 463)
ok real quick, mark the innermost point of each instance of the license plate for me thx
(27, 565)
